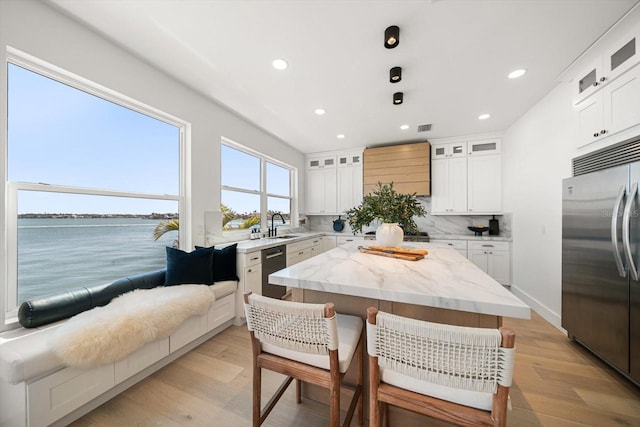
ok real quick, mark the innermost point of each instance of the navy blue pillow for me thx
(189, 267)
(224, 263)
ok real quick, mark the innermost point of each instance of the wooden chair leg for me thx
(359, 358)
(334, 402)
(298, 391)
(257, 390)
(385, 414)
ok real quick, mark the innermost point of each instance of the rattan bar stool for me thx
(458, 374)
(306, 342)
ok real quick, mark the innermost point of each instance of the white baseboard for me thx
(547, 314)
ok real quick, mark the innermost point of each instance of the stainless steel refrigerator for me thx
(600, 261)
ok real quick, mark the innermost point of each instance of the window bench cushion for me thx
(25, 353)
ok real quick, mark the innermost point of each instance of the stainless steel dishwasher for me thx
(273, 259)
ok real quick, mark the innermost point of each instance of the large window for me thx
(254, 188)
(89, 180)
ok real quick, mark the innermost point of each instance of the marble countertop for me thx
(499, 238)
(443, 279)
(247, 246)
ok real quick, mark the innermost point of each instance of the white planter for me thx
(389, 235)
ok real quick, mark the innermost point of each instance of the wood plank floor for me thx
(556, 383)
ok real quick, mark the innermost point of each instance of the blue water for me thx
(64, 253)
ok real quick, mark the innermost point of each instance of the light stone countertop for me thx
(470, 237)
(443, 279)
(248, 246)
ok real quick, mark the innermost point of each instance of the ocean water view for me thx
(55, 254)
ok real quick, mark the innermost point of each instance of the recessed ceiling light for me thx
(404, 127)
(320, 111)
(517, 73)
(484, 116)
(340, 136)
(279, 64)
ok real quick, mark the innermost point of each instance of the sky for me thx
(63, 136)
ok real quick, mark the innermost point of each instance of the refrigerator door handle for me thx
(626, 218)
(622, 271)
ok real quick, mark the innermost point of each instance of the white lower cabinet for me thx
(146, 356)
(329, 242)
(64, 391)
(303, 250)
(494, 258)
(341, 240)
(458, 245)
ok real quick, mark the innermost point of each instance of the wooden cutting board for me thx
(390, 252)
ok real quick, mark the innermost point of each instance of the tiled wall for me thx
(432, 224)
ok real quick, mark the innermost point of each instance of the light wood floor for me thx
(556, 383)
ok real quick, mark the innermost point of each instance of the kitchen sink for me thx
(286, 236)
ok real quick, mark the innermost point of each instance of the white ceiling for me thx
(455, 56)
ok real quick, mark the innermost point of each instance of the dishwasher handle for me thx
(273, 255)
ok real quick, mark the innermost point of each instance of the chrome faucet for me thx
(273, 231)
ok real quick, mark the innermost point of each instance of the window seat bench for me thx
(38, 389)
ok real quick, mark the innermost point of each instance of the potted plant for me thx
(394, 210)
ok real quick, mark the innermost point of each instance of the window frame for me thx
(264, 195)
(8, 281)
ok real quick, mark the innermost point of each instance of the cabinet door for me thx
(329, 242)
(349, 187)
(588, 81)
(622, 56)
(483, 147)
(253, 279)
(499, 266)
(479, 258)
(485, 184)
(439, 185)
(590, 117)
(457, 184)
(622, 102)
(321, 191)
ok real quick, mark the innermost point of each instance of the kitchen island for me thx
(443, 287)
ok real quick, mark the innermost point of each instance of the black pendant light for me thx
(398, 97)
(391, 37)
(395, 74)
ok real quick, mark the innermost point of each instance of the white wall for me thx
(41, 31)
(537, 152)
(536, 156)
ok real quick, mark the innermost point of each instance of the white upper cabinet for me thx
(483, 147)
(607, 94)
(334, 182)
(466, 177)
(616, 60)
(443, 151)
(484, 190)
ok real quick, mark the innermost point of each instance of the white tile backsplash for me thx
(432, 224)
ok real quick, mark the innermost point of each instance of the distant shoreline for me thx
(156, 216)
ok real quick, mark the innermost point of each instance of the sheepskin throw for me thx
(111, 333)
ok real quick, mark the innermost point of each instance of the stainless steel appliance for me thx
(273, 259)
(600, 261)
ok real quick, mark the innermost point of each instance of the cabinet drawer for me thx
(221, 311)
(341, 240)
(487, 244)
(191, 329)
(58, 394)
(299, 246)
(460, 245)
(252, 258)
(146, 356)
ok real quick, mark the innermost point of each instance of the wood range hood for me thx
(408, 166)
